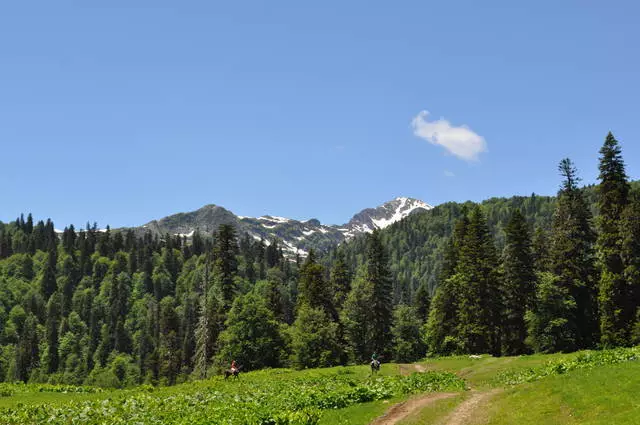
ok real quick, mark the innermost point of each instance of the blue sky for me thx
(130, 111)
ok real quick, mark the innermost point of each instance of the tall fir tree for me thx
(226, 264)
(630, 253)
(518, 284)
(613, 197)
(48, 283)
(379, 275)
(312, 288)
(572, 255)
(54, 311)
(340, 280)
(204, 344)
(441, 330)
(480, 300)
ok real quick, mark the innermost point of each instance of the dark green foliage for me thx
(379, 275)
(340, 280)
(314, 291)
(613, 197)
(422, 303)
(519, 284)
(407, 341)
(552, 325)
(54, 312)
(630, 254)
(314, 339)
(48, 284)
(226, 263)
(572, 255)
(252, 335)
(356, 317)
(480, 301)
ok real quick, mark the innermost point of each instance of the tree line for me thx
(573, 287)
(119, 308)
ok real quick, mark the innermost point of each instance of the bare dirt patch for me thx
(465, 412)
(401, 410)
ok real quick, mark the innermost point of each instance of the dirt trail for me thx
(408, 369)
(400, 411)
(466, 410)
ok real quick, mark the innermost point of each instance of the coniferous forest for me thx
(513, 276)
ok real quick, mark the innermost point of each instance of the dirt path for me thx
(465, 411)
(408, 369)
(400, 411)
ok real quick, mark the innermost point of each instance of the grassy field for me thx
(578, 388)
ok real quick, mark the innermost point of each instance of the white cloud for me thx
(448, 173)
(460, 141)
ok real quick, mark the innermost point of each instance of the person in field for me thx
(234, 367)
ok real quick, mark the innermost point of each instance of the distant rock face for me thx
(296, 236)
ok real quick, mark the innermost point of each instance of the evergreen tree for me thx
(314, 339)
(168, 343)
(313, 290)
(407, 343)
(613, 197)
(518, 284)
(356, 317)
(630, 253)
(340, 280)
(422, 302)
(540, 248)
(54, 311)
(572, 256)
(441, 329)
(48, 283)
(551, 323)
(27, 350)
(226, 265)
(202, 332)
(379, 275)
(480, 301)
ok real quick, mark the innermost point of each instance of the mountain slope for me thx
(297, 236)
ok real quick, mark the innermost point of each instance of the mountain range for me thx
(296, 236)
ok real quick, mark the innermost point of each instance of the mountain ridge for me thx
(297, 236)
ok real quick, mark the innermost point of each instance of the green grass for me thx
(282, 397)
(597, 387)
(604, 395)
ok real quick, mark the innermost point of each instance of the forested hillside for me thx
(509, 276)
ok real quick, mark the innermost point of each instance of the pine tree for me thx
(27, 350)
(202, 334)
(441, 330)
(630, 253)
(518, 284)
(540, 248)
(613, 197)
(226, 265)
(356, 317)
(422, 302)
(480, 301)
(551, 324)
(312, 288)
(54, 312)
(572, 256)
(407, 344)
(340, 280)
(48, 284)
(379, 275)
